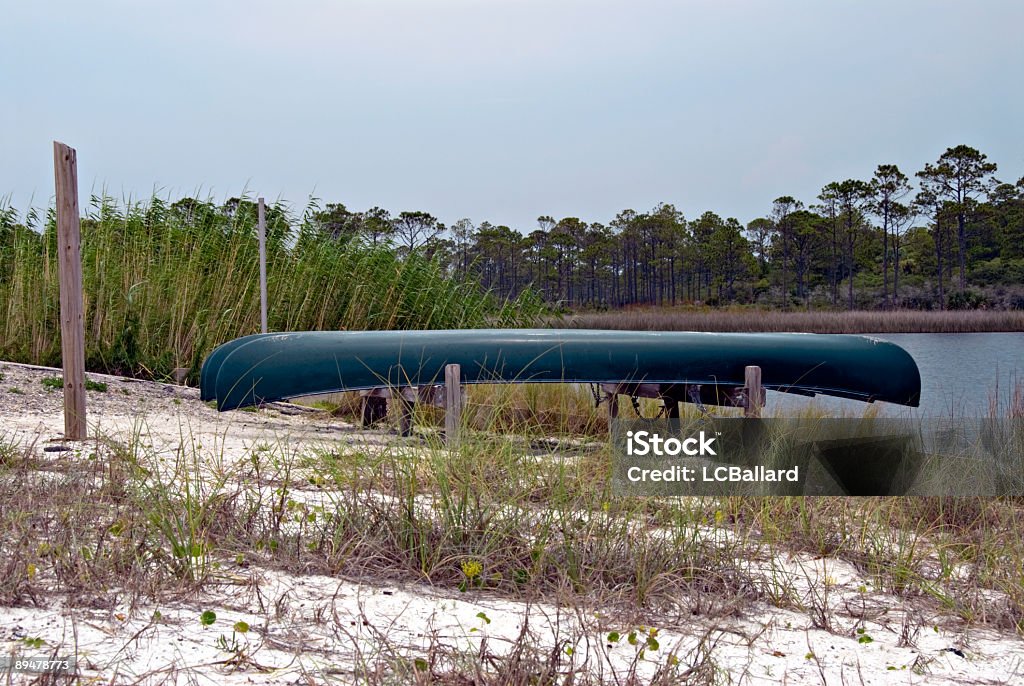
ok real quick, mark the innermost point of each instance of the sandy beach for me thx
(249, 618)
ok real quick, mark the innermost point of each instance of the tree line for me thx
(951, 236)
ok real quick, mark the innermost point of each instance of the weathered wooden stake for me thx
(452, 404)
(613, 406)
(69, 260)
(406, 398)
(373, 406)
(263, 265)
(671, 407)
(752, 381)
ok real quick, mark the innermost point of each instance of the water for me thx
(960, 374)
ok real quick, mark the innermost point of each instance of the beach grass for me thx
(534, 519)
(164, 283)
(504, 516)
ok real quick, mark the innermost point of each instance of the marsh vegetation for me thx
(165, 283)
(755, 320)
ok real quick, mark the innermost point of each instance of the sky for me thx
(503, 110)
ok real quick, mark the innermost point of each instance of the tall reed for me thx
(164, 283)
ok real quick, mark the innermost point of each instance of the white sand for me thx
(324, 628)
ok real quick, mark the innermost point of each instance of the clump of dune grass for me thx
(164, 283)
(754, 320)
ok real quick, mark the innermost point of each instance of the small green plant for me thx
(228, 645)
(55, 383)
(644, 638)
(236, 644)
(97, 386)
(863, 637)
(484, 619)
(208, 617)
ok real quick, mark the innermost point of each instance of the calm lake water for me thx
(960, 374)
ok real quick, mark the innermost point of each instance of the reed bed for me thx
(752, 320)
(165, 283)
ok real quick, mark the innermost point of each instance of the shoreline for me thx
(771, 321)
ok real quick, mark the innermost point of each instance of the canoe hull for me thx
(269, 367)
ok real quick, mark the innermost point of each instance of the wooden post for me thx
(373, 408)
(671, 404)
(452, 404)
(613, 406)
(752, 380)
(69, 260)
(406, 397)
(263, 265)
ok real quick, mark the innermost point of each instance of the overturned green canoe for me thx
(268, 367)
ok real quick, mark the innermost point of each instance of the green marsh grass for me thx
(164, 283)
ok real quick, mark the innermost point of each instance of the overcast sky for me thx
(503, 110)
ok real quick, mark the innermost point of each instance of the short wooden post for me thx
(452, 404)
(69, 260)
(752, 392)
(671, 405)
(613, 405)
(179, 374)
(406, 397)
(262, 221)
(373, 408)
